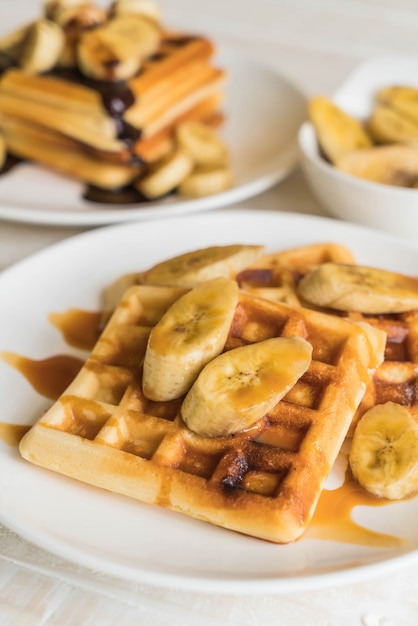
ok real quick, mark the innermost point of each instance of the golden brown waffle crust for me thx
(264, 482)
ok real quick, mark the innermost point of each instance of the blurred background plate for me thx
(263, 113)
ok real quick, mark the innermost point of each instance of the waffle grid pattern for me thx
(264, 481)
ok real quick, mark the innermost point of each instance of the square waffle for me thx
(276, 277)
(263, 482)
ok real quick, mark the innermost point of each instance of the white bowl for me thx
(388, 208)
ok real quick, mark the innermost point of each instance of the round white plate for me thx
(263, 114)
(122, 537)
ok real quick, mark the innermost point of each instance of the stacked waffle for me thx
(98, 95)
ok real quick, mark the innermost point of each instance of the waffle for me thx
(276, 276)
(106, 132)
(264, 482)
(396, 379)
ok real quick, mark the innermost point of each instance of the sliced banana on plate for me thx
(384, 452)
(237, 388)
(42, 47)
(358, 288)
(191, 332)
(337, 132)
(206, 181)
(202, 143)
(191, 268)
(165, 175)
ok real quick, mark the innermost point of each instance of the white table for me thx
(314, 43)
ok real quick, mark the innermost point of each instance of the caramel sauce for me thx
(12, 433)
(332, 520)
(49, 377)
(80, 329)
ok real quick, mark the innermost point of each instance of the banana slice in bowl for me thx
(202, 143)
(384, 452)
(338, 132)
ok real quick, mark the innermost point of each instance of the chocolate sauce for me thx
(10, 162)
(126, 195)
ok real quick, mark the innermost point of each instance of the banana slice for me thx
(240, 386)
(77, 17)
(42, 47)
(116, 50)
(192, 268)
(358, 288)
(165, 175)
(11, 43)
(387, 125)
(147, 8)
(402, 99)
(202, 143)
(51, 7)
(191, 332)
(388, 165)
(337, 132)
(384, 452)
(206, 182)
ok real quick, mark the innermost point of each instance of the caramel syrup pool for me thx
(333, 518)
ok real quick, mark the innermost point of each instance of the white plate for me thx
(263, 112)
(120, 536)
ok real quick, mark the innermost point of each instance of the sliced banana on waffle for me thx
(240, 386)
(147, 8)
(384, 452)
(42, 47)
(394, 164)
(206, 181)
(77, 17)
(165, 175)
(202, 143)
(116, 50)
(51, 7)
(191, 333)
(11, 43)
(197, 266)
(338, 133)
(358, 288)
